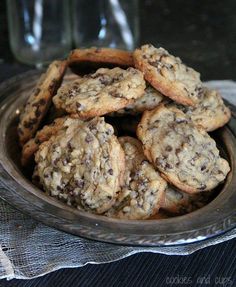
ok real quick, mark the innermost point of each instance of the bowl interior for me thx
(212, 219)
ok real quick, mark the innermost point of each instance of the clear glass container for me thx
(105, 23)
(40, 30)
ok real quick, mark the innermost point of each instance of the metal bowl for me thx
(213, 219)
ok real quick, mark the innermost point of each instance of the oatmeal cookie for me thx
(143, 189)
(211, 112)
(38, 103)
(169, 75)
(83, 164)
(105, 91)
(184, 153)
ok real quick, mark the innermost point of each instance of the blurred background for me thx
(202, 33)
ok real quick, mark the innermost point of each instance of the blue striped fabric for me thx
(213, 266)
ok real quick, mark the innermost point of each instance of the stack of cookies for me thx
(125, 135)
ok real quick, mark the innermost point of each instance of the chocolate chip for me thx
(71, 94)
(69, 146)
(37, 91)
(54, 146)
(202, 187)
(132, 174)
(104, 81)
(36, 104)
(109, 132)
(38, 113)
(192, 161)
(69, 188)
(75, 86)
(110, 171)
(56, 161)
(220, 172)
(59, 188)
(161, 161)
(78, 105)
(116, 94)
(203, 167)
(92, 127)
(29, 124)
(180, 121)
(158, 161)
(65, 161)
(42, 102)
(79, 183)
(53, 84)
(88, 138)
(169, 166)
(168, 148)
(155, 64)
(163, 57)
(188, 138)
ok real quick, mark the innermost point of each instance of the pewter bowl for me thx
(15, 187)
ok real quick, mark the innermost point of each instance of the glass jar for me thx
(105, 23)
(39, 30)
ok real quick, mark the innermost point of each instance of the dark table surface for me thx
(203, 33)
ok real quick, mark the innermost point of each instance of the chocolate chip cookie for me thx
(169, 75)
(82, 165)
(148, 101)
(100, 57)
(30, 148)
(38, 103)
(142, 192)
(105, 91)
(184, 153)
(211, 112)
(178, 202)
